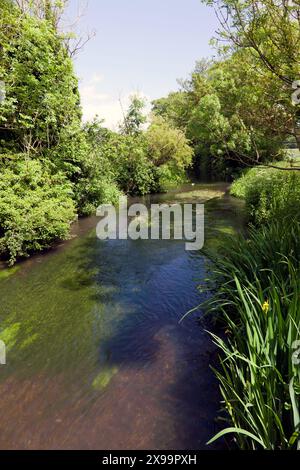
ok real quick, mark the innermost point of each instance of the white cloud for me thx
(97, 78)
(95, 102)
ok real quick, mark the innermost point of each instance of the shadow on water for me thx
(96, 355)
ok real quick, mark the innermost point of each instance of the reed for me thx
(258, 301)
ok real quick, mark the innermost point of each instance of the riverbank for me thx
(257, 301)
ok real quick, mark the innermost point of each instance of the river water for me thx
(96, 356)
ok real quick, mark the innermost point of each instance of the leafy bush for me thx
(83, 157)
(36, 208)
(168, 176)
(169, 150)
(269, 193)
(90, 193)
(259, 301)
(133, 171)
(42, 95)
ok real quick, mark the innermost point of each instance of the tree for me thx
(233, 112)
(175, 108)
(168, 144)
(50, 10)
(42, 97)
(237, 115)
(134, 118)
(169, 150)
(270, 30)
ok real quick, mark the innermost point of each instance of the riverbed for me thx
(96, 355)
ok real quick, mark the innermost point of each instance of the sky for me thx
(139, 46)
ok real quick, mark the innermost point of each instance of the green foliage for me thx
(169, 150)
(169, 176)
(168, 144)
(83, 155)
(146, 161)
(175, 108)
(229, 113)
(42, 96)
(267, 35)
(132, 169)
(36, 207)
(134, 118)
(270, 194)
(258, 300)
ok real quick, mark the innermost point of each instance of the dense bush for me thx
(169, 176)
(36, 207)
(169, 151)
(42, 96)
(270, 194)
(134, 171)
(167, 144)
(144, 162)
(122, 161)
(83, 156)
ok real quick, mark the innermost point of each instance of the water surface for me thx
(96, 357)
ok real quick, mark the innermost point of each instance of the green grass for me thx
(269, 193)
(258, 302)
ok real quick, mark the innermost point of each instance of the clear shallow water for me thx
(96, 356)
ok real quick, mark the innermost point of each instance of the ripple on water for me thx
(96, 357)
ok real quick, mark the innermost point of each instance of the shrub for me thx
(169, 150)
(83, 157)
(36, 208)
(168, 176)
(133, 171)
(269, 193)
(90, 193)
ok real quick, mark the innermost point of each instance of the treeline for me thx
(53, 166)
(238, 110)
(233, 115)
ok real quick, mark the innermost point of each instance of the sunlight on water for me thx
(96, 357)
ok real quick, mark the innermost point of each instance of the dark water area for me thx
(96, 356)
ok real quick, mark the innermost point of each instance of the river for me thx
(96, 356)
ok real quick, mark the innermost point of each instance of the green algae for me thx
(7, 273)
(103, 379)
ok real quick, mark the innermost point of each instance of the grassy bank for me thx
(269, 193)
(258, 303)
